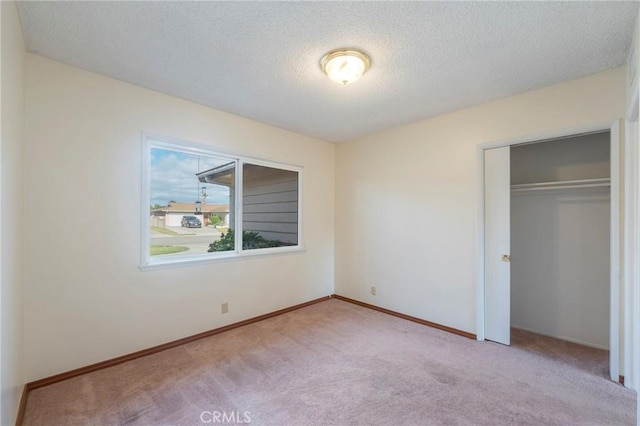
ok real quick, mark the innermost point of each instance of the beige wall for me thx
(87, 299)
(423, 261)
(11, 199)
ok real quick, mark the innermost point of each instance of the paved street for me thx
(197, 240)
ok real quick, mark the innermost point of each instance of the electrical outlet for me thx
(373, 290)
(225, 308)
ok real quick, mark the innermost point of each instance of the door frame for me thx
(631, 253)
(614, 127)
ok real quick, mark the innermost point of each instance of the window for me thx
(200, 205)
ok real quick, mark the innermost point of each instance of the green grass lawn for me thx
(158, 250)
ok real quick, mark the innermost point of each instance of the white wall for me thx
(560, 241)
(11, 199)
(87, 300)
(424, 262)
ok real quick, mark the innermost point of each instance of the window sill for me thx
(178, 261)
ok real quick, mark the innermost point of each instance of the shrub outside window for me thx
(201, 205)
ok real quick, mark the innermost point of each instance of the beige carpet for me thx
(591, 360)
(337, 363)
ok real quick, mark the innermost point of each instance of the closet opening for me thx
(560, 233)
(549, 245)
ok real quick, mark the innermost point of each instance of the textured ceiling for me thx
(261, 59)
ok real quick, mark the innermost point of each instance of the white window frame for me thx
(147, 262)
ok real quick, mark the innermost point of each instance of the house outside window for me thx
(201, 205)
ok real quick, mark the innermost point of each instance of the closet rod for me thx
(546, 188)
(567, 184)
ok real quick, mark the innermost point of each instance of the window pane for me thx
(191, 203)
(269, 207)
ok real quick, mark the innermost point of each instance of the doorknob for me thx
(506, 258)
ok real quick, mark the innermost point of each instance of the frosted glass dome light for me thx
(345, 66)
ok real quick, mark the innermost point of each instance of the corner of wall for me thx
(12, 73)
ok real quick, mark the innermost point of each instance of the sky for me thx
(173, 177)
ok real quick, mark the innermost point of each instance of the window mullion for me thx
(238, 206)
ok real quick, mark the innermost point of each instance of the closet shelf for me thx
(563, 184)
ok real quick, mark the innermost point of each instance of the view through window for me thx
(193, 194)
(187, 213)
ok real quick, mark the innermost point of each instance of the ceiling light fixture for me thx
(345, 66)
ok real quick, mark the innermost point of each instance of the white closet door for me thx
(497, 271)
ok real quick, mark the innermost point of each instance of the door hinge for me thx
(506, 258)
